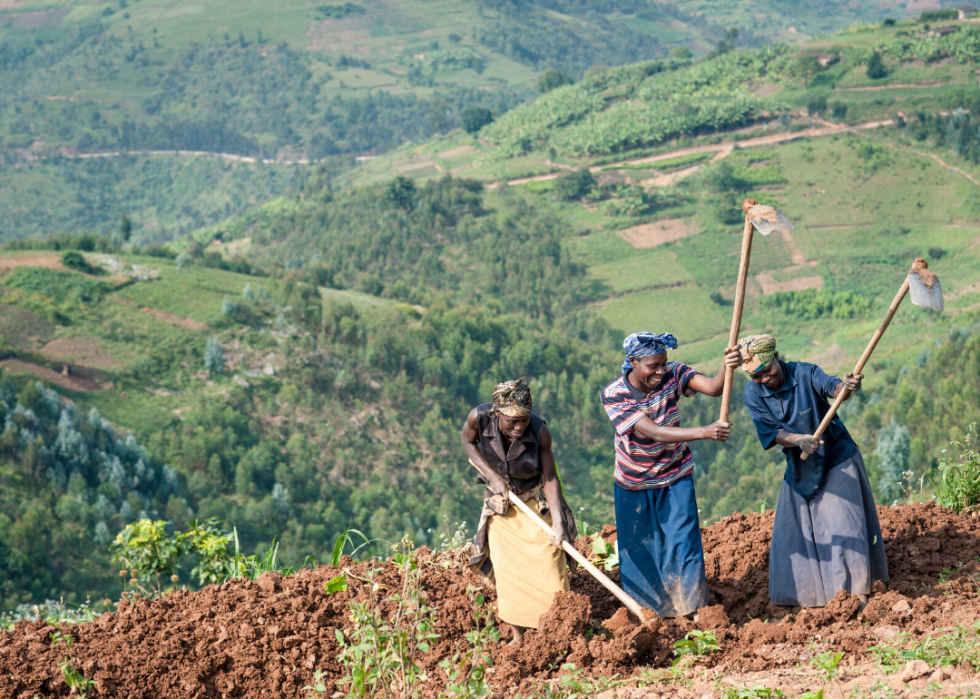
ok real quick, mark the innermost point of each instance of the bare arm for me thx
(718, 431)
(469, 438)
(715, 385)
(552, 487)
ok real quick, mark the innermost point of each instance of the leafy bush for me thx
(214, 356)
(958, 484)
(697, 643)
(938, 15)
(72, 259)
(838, 110)
(811, 304)
(817, 104)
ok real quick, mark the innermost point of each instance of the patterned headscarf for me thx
(512, 398)
(757, 352)
(646, 344)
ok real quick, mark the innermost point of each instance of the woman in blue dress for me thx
(826, 536)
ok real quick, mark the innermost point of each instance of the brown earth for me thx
(79, 379)
(80, 349)
(246, 638)
(650, 235)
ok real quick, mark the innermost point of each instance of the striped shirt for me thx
(643, 463)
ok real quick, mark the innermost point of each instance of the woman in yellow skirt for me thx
(512, 450)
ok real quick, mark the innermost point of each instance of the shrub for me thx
(228, 307)
(838, 110)
(184, 260)
(574, 185)
(72, 259)
(888, 22)
(475, 118)
(681, 53)
(811, 304)
(938, 15)
(552, 78)
(876, 67)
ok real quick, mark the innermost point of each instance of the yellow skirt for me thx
(528, 570)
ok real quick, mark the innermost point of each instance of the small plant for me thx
(76, 681)
(697, 643)
(760, 506)
(467, 670)
(606, 554)
(828, 662)
(812, 695)
(318, 688)
(753, 693)
(574, 685)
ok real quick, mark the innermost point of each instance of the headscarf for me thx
(757, 352)
(512, 398)
(646, 344)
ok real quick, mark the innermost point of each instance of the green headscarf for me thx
(758, 352)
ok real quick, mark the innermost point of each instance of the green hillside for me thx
(304, 366)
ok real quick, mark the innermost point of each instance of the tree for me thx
(475, 118)
(681, 53)
(214, 356)
(125, 228)
(184, 260)
(725, 45)
(894, 449)
(876, 67)
(552, 78)
(248, 294)
(575, 184)
(73, 259)
(838, 110)
(228, 307)
(401, 192)
(817, 104)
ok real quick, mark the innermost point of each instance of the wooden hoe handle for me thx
(630, 603)
(743, 275)
(859, 367)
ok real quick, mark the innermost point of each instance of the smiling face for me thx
(772, 376)
(512, 427)
(648, 371)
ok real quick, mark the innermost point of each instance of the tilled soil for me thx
(267, 637)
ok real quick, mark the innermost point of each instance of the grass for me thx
(959, 645)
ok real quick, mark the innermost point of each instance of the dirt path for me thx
(72, 382)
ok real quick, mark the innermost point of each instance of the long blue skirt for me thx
(661, 560)
(828, 543)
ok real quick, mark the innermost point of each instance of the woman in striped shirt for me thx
(659, 534)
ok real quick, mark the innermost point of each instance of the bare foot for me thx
(518, 635)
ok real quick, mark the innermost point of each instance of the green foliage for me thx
(78, 684)
(466, 671)
(816, 104)
(340, 11)
(811, 304)
(475, 118)
(319, 687)
(894, 454)
(551, 79)
(381, 657)
(72, 259)
(214, 356)
(146, 548)
(336, 584)
(697, 643)
(875, 67)
(574, 184)
(604, 554)
(958, 483)
(838, 111)
(681, 53)
(938, 15)
(753, 693)
(827, 663)
(958, 646)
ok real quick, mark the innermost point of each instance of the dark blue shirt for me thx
(798, 407)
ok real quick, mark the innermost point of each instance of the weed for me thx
(811, 695)
(467, 671)
(761, 505)
(76, 681)
(318, 688)
(380, 657)
(666, 675)
(827, 663)
(574, 685)
(960, 645)
(697, 643)
(753, 693)
(57, 638)
(337, 584)
(958, 484)
(606, 554)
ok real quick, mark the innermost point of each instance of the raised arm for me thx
(552, 487)
(715, 385)
(469, 438)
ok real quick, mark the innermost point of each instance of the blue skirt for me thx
(661, 560)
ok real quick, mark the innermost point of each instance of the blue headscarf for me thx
(646, 344)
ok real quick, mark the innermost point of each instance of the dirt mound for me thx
(246, 638)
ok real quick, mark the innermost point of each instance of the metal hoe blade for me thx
(924, 286)
(767, 219)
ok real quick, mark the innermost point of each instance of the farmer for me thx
(659, 534)
(826, 536)
(512, 450)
